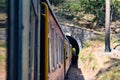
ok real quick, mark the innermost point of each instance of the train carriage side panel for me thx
(56, 64)
(25, 47)
(67, 55)
(56, 73)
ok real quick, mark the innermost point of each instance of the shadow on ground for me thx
(74, 73)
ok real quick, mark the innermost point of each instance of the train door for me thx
(32, 43)
(34, 37)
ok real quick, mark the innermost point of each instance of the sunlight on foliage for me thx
(87, 57)
(115, 40)
(88, 17)
(92, 11)
(3, 16)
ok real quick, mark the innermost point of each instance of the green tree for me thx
(56, 2)
(115, 9)
(95, 7)
(75, 9)
(70, 9)
(3, 5)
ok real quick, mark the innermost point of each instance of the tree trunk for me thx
(107, 27)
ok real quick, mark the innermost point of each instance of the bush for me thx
(2, 44)
(110, 75)
(1, 58)
(3, 6)
(56, 2)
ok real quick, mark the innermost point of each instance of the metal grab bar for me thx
(46, 39)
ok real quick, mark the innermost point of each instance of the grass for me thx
(1, 58)
(92, 61)
(115, 40)
(112, 74)
(86, 55)
(2, 44)
(87, 44)
(89, 59)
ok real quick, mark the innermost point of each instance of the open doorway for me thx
(3, 49)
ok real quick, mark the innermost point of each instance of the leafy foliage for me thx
(3, 5)
(115, 9)
(70, 9)
(96, 7)
(77, 9)
(87, 56)
(56, 2)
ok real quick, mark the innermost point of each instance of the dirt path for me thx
(104, 61)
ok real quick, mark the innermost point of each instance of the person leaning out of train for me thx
(74, 51)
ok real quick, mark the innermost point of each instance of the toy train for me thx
(37, 46)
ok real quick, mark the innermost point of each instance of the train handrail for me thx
(46, 39)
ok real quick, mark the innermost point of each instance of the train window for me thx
(53, 59)
(67, 51)
(49, 56)
(3, 37)
(57, 49)
(62, 50)
(49, 50)
(33, 55)
(32, 44)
